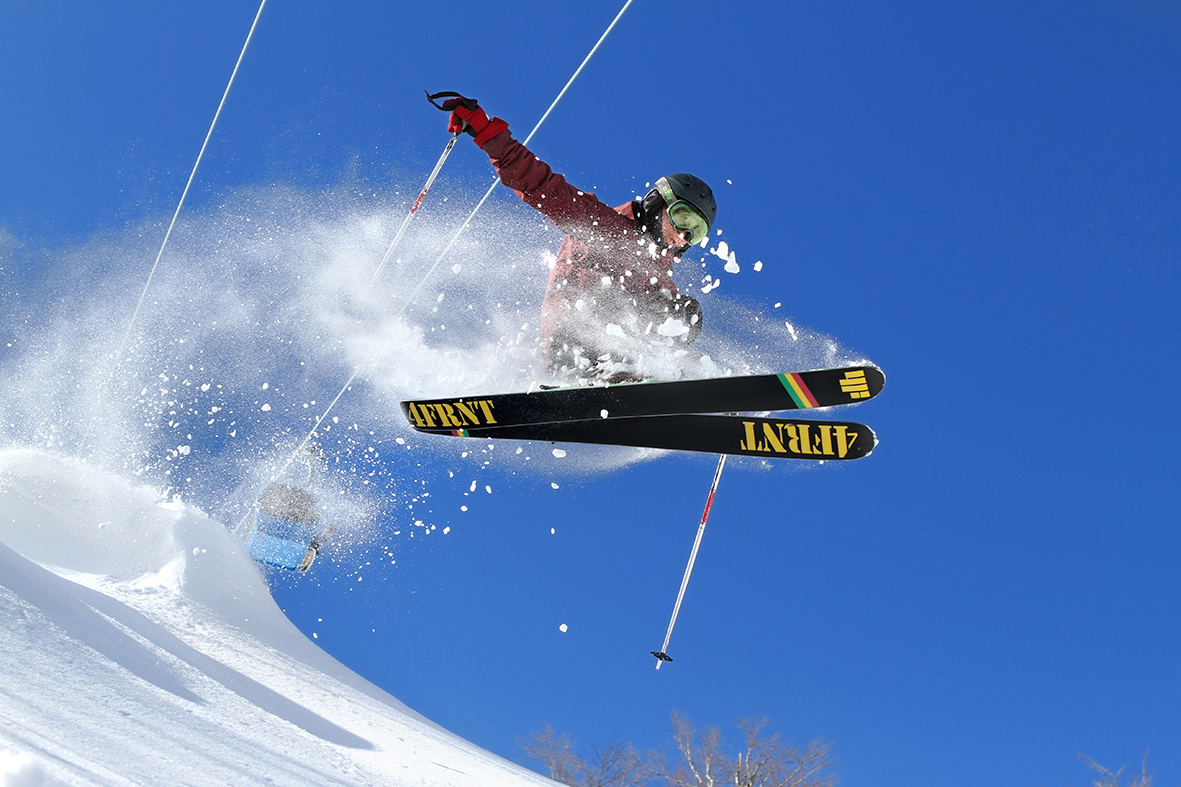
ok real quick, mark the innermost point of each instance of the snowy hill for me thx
(142, 646)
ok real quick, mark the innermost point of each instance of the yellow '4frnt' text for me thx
(453, 415)
(814, 439)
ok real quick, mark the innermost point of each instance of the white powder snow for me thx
(308, 313)
(149, 651)
(672, 327)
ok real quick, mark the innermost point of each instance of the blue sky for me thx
(981, 198)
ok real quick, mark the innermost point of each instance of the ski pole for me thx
(662, 654)
(414, 208)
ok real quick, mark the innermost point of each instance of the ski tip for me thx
(661, 655)
(873, 376)
(880, 381)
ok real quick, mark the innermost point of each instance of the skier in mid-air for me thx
(610, 298)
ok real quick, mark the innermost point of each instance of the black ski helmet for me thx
(693, 190)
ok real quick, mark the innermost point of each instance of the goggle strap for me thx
(666, 191)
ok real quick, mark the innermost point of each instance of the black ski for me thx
(714, 434)
(755, 393)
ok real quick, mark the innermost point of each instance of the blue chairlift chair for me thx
(287, 532)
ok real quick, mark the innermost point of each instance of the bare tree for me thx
(763, 761)
(1107, 778)
(693, 759)
(614, 765)
(555, 752)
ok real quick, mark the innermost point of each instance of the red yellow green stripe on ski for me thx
(798, 390)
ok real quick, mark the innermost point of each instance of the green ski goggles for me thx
(683, 215)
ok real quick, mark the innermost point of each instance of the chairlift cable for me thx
(118, 357)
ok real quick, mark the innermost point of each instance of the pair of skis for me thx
(678, 415)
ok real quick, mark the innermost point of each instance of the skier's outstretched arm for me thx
(573, 211)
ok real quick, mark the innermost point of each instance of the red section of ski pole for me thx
(713, 489)
(414, 208)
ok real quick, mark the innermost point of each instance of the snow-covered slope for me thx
(141, 646)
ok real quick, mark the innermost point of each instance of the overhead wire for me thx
(118, 356)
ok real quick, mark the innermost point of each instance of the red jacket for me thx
(605, 248)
